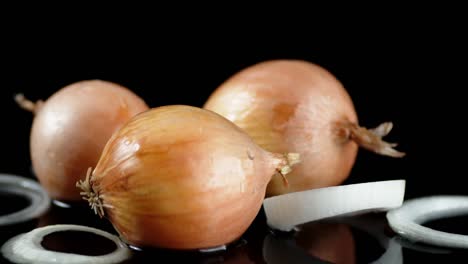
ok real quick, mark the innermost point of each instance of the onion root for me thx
(91, 195)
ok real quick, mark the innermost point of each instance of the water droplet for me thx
(136, 147)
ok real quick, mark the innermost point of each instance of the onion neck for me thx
(286, 164)
(370, 139)
(27, 104)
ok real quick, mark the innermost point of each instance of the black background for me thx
(399, 63)
(412, 73)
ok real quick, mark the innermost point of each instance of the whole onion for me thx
(297, 106)
(71, 128)
(181, 177)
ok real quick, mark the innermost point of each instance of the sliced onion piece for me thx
(407, 220)
(27, 248)
(31, 190)
(284, 212)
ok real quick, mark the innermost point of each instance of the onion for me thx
(284, 212)
(181, 177)
(27, 248)
(406, 220)
(71, 128)
(296, 106)
(16, 185)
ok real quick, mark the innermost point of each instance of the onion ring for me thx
(286, 211)
(26, 248)
(406, 220)
(31, 190)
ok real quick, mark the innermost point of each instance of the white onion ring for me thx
(407, 220)
(286, 211)
(26, 248)
(31, 190)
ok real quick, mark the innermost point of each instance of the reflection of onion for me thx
(374, 226)
(332, 242)
(31, 190)
(26, 248)
(274, 247)
(279, 250)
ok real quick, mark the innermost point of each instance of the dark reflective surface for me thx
(362, 239)
(65, 241)
(12, 203)
(453, 225)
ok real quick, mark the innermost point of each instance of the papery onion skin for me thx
(297, 106)
(71, 128)
(182, 177)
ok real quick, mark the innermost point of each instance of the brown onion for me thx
(71, 128)
(181, 177)
(297, 106)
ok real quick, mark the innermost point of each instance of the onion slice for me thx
(31, 190)
(407, 220)
(27, 248)
(286, 211)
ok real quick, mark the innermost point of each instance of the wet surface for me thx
(362, 239)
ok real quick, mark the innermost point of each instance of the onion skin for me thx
(71, 128)
(297, 106)
(181, 177)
